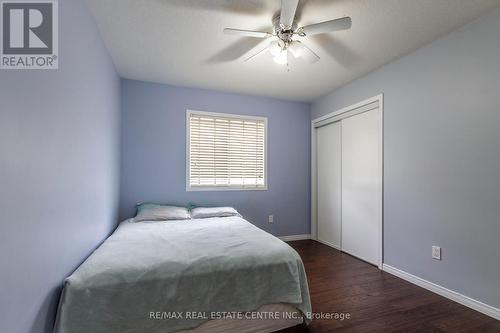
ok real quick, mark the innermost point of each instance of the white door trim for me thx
(333, 117)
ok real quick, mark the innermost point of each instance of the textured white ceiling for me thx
(180, 42)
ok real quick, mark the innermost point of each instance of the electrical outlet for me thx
(436, 252)
(271, 218)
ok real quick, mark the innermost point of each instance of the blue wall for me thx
(441, 157)
(154, 154)
(59, 170)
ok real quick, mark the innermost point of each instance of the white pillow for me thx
(154, 212)
(204, 212)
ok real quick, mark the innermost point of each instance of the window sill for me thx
(218, 189)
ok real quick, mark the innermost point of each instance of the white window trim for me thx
(223, 187)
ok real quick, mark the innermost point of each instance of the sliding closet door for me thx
(328, 152)
(361, 185)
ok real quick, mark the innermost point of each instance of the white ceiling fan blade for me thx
(328, 26)
(288, 9)
(261, 48)
(300, 50)
(247, 33)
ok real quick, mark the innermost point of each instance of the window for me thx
(225, 152)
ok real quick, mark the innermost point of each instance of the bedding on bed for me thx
(205, 212)
(155, 212)
(180, 268)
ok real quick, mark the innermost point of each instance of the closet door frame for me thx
(350, 111)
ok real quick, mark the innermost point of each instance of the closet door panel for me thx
(361, 185)
(328, 152)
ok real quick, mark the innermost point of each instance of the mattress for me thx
(178, 275)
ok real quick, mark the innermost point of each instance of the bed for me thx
(199, 275)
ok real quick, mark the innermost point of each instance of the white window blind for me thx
(226, 151)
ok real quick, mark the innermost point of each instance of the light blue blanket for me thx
(147, 272)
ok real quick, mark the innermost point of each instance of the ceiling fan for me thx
(285, 28)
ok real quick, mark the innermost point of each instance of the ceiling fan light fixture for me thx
(296, 50)
(284, 29)
(281, 58)
(275, 48)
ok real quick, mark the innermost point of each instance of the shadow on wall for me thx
(47, 313)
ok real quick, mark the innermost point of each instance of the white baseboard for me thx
(440, 290)
(294, 237)
(328, 244)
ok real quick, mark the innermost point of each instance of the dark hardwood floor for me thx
(377, 301)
